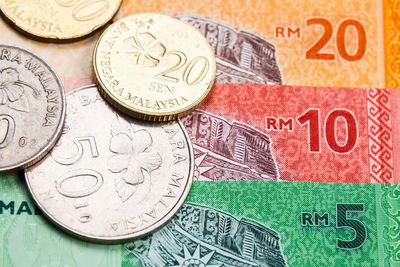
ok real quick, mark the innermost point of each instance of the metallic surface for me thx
(112, 177)
(154, 67)
(32, 108)
(59, 19)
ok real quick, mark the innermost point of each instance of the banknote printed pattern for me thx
(285, 152)
(286, 23)
(208, 229)
(27, 238)
(203, 236)
(276, 209)
(317, 235)
(380, 135)
(390, 200)
(229, 151)
(11, 229)
(242, 56)
(392, 46)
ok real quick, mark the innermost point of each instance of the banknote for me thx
(293, 133)
(243, 223)
(28, 239)
(336, 43)
(310, 134)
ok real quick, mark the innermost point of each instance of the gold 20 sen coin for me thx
(154, 67)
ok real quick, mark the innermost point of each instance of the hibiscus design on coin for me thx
(134, 159)
(12, 92)
(145, 48)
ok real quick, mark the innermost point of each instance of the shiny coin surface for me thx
(154, 67)
(59, 19)
(112, 177)
(32, 108)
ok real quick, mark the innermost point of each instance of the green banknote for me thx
(242, 223)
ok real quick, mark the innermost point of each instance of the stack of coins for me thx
(123, 163)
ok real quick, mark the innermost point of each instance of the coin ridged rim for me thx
(128, 237)
(52, 142)
(52, 37)
(148, 115)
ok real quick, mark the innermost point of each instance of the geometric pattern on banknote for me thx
(392, 45)
(229, 150)
(391, 233)
(380, 135)
(242, 56)
(203, 236)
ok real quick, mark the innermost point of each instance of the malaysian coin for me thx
(59, 19)
(154, 67)
(110, 177)
(32, 108)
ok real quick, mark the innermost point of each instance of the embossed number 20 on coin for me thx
(154, 67)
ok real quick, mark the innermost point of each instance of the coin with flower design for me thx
(111, 177)
(154, 67)
(59, 19)
(32, 108)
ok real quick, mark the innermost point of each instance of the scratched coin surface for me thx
(111, 177)
(59, 19)
(32, 108)
(154, 67)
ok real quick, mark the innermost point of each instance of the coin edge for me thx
(51, 38)
(43, 152)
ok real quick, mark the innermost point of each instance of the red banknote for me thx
(315, 134)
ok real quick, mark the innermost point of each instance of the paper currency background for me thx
(304, 43)
(356, 41)
(313, 134)
(293, 224)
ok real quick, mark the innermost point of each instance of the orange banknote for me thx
(341, 43)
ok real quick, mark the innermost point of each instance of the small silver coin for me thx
(111, 177)
(32, 108)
